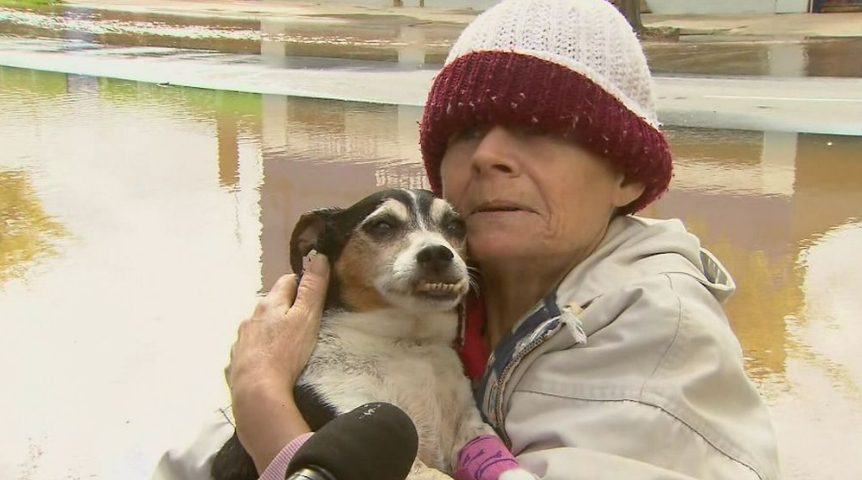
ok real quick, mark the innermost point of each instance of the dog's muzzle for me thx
(438, 273)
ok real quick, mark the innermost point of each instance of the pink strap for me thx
(278, 466)
(484, 458)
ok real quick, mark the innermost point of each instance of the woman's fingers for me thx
(282, 295)
(275, 343)
(311, 293)
(270, 352)
(298, 331)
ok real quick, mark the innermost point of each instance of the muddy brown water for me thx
(139, 223)
(407, 40)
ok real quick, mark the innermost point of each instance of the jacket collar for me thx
(636, 247)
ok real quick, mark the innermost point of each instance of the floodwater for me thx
(381, 39)
(403, 39)
(141, 221)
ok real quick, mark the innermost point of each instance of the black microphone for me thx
(376, 441)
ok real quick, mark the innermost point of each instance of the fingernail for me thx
(319, 264)
(306, 260)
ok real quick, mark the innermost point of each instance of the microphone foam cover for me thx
(376, 441)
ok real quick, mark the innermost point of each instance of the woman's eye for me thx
(529, 131)
(471, 133)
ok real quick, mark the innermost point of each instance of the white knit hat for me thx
(573, 67)
(587, 36)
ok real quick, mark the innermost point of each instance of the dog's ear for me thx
(306, 235)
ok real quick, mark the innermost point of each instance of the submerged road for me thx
(809, 105)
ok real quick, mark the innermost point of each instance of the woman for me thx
(612, 357)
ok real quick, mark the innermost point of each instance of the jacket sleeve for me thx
(645, 444)
(193, 461)
(658, 392)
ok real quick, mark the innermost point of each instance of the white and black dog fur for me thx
(398, 277)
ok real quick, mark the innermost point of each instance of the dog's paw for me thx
(517, 474)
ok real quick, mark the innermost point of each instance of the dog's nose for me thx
(435, 258)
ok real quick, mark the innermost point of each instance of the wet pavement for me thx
(141, 220)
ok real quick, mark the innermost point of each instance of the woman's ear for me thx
(626, 191)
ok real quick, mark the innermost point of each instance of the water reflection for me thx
(319, 153)
(155, 245)
(180, 203)
(414, 46)
(33, 85)
(364, 38)
(759, 200)
(710, 55)
(292, 41)
(782, 211)
(27, 233)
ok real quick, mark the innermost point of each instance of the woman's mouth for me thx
(498, 207)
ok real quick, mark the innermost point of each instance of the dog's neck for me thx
(396, 325)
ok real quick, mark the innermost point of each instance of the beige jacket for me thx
(629, 371)
(632, 371)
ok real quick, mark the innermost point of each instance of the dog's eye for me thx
(456, 228)
(382, 226)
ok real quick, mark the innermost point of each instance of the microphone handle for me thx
(310, 473)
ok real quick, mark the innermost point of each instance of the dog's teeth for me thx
(440, 287)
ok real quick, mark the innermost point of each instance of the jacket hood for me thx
(636, 247)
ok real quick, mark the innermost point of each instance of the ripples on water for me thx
(93, 24)
(321, 37)
(140, 220)
(390, 39)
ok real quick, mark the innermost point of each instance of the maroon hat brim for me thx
(512, 89)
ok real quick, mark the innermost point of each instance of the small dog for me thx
(398, 277)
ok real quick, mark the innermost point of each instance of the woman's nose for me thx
(496, 153)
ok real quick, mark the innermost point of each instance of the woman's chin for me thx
(498, 247)
(502, 236)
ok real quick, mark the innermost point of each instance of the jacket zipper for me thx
(579, 338)
(504, 376)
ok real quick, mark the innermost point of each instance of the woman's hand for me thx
(267, 358)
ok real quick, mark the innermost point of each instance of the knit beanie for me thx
(568, 67)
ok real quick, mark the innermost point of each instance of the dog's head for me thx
(395, 248)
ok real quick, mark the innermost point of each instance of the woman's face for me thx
(530, 196)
